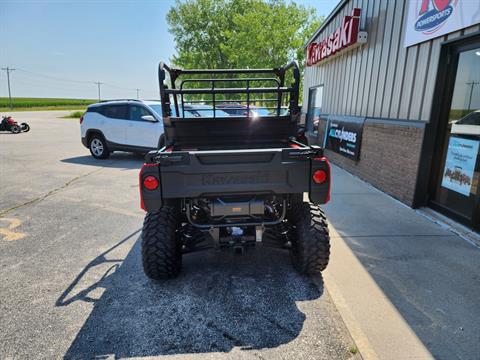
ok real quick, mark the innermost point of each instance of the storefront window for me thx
(458, 184)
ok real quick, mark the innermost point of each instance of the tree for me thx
(240, 33)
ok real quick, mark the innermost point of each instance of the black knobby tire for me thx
(310, 250)
(15, 129)
(161, 248)
(25, 127)
(96, 143)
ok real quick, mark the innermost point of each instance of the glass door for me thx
(456, 189)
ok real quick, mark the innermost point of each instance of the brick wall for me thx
(389, 158)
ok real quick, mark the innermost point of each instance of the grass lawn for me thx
(74, 115)
(36, 104)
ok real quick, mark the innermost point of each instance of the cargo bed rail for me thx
(279, 93)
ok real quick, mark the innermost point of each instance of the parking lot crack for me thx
(49, 193)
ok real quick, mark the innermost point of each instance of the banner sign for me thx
(460, 165)
(345, 36)
(344, 137)
(428, 19)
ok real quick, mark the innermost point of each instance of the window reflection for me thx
(315, 107)
(465, 109)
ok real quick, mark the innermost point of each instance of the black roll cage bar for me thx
(279, 80)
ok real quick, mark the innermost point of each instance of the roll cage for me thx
(249, 88)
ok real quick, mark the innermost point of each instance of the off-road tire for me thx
(310, 248)
(93, 147)
(161, 248)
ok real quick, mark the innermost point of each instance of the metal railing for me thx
(220, 96)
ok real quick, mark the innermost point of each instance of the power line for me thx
(472, 84)
(7, 69)
(38, 85)
(53, 77)
(56, 78)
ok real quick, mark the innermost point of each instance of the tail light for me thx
(81, 120)
(320, 180)
(150, 182)
(319, 176)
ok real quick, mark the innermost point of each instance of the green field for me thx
(459, 113)
(26, 104)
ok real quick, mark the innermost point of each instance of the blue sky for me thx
(116, 42)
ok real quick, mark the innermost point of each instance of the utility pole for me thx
(138, 92)
(98, 84)
(7, 69)
(472, 85)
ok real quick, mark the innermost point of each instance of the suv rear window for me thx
(115, 111)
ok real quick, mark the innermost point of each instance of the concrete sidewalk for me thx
(405, 286)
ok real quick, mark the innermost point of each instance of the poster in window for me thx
(344, 137)
(460, 165)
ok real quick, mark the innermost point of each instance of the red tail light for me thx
(146, 181)
(322, 176)
(150, 182)
(319, 176)
(81, 120)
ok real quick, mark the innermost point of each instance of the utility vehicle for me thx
(233, 181)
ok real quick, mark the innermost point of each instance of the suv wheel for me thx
(98, 147)
(161, 246)
(310, 249)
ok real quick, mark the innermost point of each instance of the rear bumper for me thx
(223, 173)
(235, 174)
(84, 141)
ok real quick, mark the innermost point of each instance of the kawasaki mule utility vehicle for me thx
(233, 181)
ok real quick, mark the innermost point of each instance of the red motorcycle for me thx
(8, 124)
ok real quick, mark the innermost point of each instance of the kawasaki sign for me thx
(344, 137)
(346, 36)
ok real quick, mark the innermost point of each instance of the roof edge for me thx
(327, 21)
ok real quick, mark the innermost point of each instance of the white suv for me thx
(124, 125)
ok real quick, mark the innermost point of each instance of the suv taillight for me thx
(81, 120)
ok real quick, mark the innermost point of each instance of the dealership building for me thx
(392, 90)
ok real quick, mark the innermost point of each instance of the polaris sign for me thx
(429, 19)
(344, 137)
(432, 19)
(347, 35)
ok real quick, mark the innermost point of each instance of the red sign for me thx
(343, 37)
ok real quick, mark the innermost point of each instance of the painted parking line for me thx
(7, 232)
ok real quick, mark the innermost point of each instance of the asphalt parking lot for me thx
(72, 285)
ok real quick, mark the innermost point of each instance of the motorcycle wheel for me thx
(15, 129)
(25, 127)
